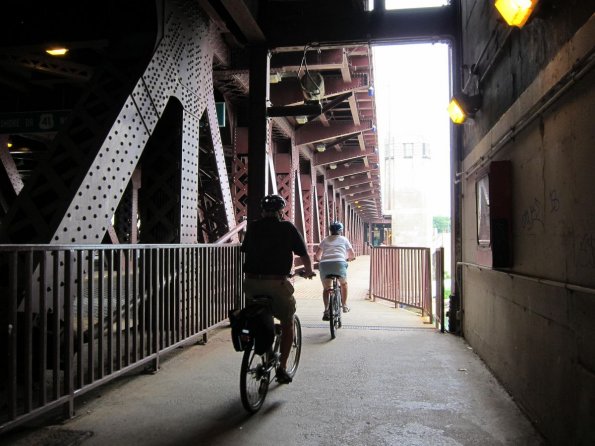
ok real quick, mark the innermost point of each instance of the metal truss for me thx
(72, 197)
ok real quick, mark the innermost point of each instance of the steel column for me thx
(258, 133)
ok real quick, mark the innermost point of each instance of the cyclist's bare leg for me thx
(286, 341)
(325, 294)
(344, 293)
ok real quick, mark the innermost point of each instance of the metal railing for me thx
(438, 258)
(75, 317)
(402, 275)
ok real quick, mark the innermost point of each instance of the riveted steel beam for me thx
(258, 133)
(314, 131)
(92, 158)
(363, 188)
(56, 67)
(289, 91)
(346, 154)
(354, 180)
(289, 62)
(342, 171)
(351, 25)
(11, 183)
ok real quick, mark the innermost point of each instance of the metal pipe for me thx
(547, 100)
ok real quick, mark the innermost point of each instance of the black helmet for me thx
(272, 203)
(336, 227)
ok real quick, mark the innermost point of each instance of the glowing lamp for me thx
(333, 166)
(515, 12)
(57, 51)
(320, 148)
(462, 107)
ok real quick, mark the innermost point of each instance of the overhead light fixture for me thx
(275, 78)
(312, 84)
(515, 12)
(9, 145)
(320, 148)
(57, 51)
(333, 166)
(341, 178)
(346, 187)
(301, 119)
(463, 106)
(356, 202)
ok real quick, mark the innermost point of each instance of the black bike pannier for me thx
(252, 325)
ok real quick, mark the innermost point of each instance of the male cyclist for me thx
(333, 253)
(270, 244)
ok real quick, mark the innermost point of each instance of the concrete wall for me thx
(532, 331)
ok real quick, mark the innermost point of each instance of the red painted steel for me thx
(402, 276)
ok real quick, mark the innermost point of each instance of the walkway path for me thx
(387, 379)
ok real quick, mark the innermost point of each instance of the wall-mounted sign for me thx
(33, 122)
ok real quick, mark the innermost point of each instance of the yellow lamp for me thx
(57, 51)
(515, 12)
(456, 113)
(463, 106)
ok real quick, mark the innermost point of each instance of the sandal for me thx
(346, 309)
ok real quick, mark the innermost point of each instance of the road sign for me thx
(33, 122)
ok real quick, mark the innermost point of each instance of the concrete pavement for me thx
(387, 379)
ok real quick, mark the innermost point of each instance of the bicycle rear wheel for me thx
(296, 348)
(332, 312)
(254, 380)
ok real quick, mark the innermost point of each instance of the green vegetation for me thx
(442, 224)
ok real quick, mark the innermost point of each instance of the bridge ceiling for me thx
(329, 39)
(332, 39)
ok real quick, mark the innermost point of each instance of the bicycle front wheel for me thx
(296, 347)
(254, 380)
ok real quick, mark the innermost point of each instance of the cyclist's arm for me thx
(307, 266)
(350, 254)
(317, 253)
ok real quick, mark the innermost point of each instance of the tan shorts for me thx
(281, 290)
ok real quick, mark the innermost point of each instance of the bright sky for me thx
(411, 85)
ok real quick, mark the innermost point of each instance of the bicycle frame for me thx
(334, 306)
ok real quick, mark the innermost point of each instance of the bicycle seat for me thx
(332, 276)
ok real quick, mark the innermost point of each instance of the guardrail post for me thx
(68, 329)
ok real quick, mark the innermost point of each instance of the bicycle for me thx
(256, 370)
(334, 305)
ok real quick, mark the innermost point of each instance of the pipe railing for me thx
(75, 317)
(438, 258)
(402, 275)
